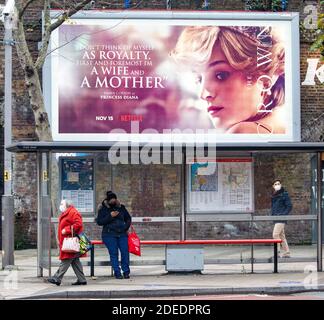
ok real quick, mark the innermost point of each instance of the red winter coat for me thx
(70, 217)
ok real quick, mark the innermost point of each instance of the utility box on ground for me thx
(184, 258)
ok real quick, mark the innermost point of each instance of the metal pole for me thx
(92, 261)
(7, 199)
(252, 258)
(183, 197)
(319, 212)
(39, 214)
(275, 258)
(45, 215)
(252, 247)
(44, 174)
(49, 165)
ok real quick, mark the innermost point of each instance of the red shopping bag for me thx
(134, 242)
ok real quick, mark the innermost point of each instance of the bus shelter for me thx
(44, 152)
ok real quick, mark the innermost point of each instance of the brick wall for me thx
(155, 190)
(136, 187)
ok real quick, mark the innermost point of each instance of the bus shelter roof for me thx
(80, 146)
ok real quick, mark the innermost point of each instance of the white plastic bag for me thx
(71, 244)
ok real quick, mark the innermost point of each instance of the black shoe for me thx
(126, 276)
(119, 277)
(78, 283)
(53, 281)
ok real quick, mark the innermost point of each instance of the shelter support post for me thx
(183, 197)
(319, 193)
(43, 211)
(39, 214)
(275, 258)
(49, 188)
(43, 215)
(46, 212)
(92, 261)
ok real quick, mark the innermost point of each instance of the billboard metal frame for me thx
(119, 16)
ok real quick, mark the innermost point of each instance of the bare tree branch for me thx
(58, 4)
(46, 36)
(82, 34)
(68, 13)
(49, 28)
(24, 7)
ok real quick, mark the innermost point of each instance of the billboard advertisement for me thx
(146, 79)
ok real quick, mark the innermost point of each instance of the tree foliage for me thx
(318, 44)
(266, 5)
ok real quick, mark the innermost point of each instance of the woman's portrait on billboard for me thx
(240, 76)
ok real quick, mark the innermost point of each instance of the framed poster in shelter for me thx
(175, 76)
(220, 186)
(77, 182)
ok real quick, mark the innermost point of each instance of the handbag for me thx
(71, 244)
(134, 243)
(85, 243)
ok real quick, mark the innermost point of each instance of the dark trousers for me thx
(114, 245)
(64, 266)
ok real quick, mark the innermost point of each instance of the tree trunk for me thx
(42, 126)
(31, 71)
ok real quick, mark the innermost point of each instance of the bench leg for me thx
(252, 259)
(92, 261)
(275, 258)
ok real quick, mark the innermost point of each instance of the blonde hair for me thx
(196, 43)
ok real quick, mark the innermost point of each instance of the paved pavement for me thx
(296, 296)
(153, 281)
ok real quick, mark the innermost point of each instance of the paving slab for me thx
(148, 280)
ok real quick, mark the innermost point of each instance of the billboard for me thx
(147, 77)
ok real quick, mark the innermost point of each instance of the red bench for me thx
(275, 243)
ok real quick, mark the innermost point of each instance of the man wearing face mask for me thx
(70, 221)
(116, 221)
(280, 206)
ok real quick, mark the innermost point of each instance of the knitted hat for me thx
(111, 195)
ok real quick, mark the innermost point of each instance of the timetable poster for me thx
(77, 182)
(221, 185)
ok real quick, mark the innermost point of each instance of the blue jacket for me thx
(280, 204)
(116, 226)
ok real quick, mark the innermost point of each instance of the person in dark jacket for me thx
(280, 206)
(116, 221)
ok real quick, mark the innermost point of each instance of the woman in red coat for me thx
(70, 219)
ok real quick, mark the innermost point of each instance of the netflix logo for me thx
(130, 117)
